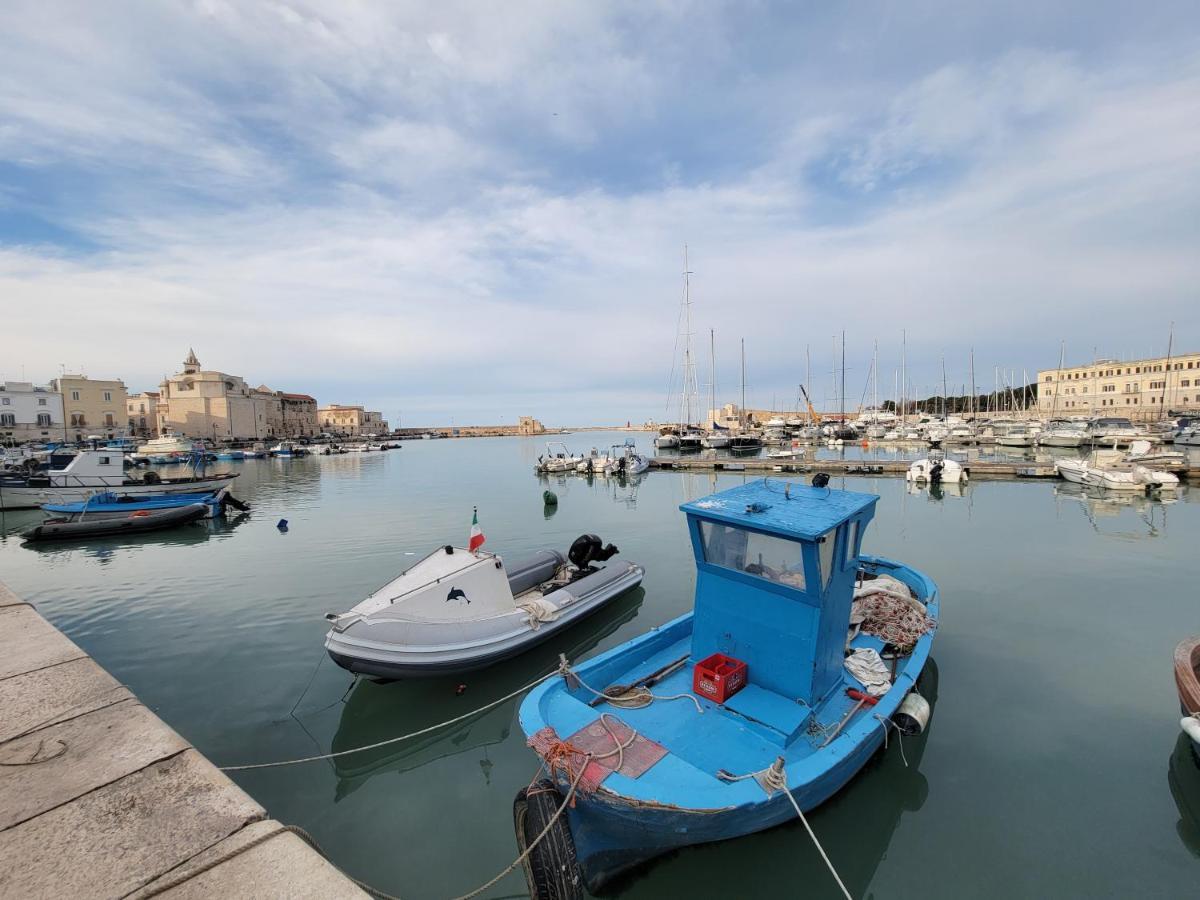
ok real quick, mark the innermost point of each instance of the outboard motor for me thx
(935, 473)
(587, 549)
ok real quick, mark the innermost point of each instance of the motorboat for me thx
(1017, 435)
(718, 439)
(1143, 453)
(1112, 432)
(457, 610)
(667, 439)
(592, 463)
(556, 459)
(167, 445)
(741, 713)
(794, 450)
(138, 522)
(775, 431)
(937, 468)
(1064, 434)
(230, 455)
(70, 478)
(1111, 470)
(1188, 436)
(691, 440)
(107, 505)
(745, 442)
(625, 460)
(289, 448)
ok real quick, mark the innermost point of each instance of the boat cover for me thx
(530, 571)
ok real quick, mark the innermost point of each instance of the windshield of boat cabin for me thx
(773, 558)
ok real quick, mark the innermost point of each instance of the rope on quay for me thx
(395, 740)
(772, 779)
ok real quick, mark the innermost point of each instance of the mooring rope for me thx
(395, 740)
(632, 697)
(772, 779)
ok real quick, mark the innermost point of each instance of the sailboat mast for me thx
(742, 408)
(689, 371)
(875, 377)
(903, 377)
(1062, 358)
(808, 381)
(843, 390)
(712, 352)
(1162, 401)
(945, 390)
(974, 403)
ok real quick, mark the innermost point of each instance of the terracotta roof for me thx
(298, 396)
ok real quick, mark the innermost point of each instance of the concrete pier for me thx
(100, 798)
(980, 469)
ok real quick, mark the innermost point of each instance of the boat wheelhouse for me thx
(723, 713)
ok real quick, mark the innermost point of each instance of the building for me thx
(206, 404)
(352, 421)
(142, 413)
(29, 413)
(1138, 389)
(92, 407)
(299, 415)
(529, 425)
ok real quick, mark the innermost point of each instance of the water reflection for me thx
(1098, 504)
(1183, 777)
(376, 711)
(935, 493)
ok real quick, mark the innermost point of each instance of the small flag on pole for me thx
(477, 537)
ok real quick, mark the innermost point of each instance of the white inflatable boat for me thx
(456, 610)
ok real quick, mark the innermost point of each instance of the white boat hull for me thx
(34, 497)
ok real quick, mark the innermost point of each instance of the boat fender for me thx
(549, 498)
(1191, 727)
(913, 714)
(552, 868)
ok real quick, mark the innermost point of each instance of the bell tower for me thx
(191, 365)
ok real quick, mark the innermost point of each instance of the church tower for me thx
(191, 365)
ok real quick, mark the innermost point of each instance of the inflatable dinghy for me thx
(455, 610)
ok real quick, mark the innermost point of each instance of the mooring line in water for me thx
(529, 849)
(395, 740)
(772, 779)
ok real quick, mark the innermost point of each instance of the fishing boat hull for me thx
(109, 506)
(31, 497)
(1187, 675)
(620, 828)
(134, 523)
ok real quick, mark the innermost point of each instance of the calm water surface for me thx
(1045, 771)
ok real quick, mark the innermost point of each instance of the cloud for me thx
(483, 215)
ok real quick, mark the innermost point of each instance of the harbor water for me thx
(1045, 770)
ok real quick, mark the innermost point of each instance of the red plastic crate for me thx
(719, 677)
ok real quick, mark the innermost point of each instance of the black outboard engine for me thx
(587, 549)
(935, 473)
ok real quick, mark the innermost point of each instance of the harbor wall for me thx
(100, 798)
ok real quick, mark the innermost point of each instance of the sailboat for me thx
(745, 441)
(688, 438)
(718, 437)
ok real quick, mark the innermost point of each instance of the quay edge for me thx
(99, 797)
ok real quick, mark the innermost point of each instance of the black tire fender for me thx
(551, 868)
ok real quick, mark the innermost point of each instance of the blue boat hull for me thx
(614, 833)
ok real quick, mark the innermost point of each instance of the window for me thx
(825, 551)
(5, 402)
(41, 401)
(772, 558)
(74, 395)
(1109, 388)
(108, 396)
(77, 420)
(1186, 382)
(108, 420)
(8, 419)
(44, 419)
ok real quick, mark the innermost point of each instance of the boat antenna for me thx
(1162, 401)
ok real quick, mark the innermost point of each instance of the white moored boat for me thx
(1112, 471)
(557, 459)
(73, 479)
(456, 610)
(167, 445)
(937, 468)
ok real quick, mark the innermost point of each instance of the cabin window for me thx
(773, 558)
(852, 544)
(105, 460)
(825, 550)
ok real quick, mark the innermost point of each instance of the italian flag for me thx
(477, 538)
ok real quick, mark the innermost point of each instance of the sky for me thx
(460, 212)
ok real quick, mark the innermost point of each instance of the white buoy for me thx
(913, 714)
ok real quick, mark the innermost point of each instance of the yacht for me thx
(1112, 432)
(775, 431)
(1016, 435)
(166, 445)
(667, 440)
(718, 439)
(1064, 434)
(691, 440)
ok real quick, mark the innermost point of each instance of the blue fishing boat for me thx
(110, 505)
(230, 455)
(760, 704)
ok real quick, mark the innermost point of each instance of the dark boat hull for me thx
(133, 524)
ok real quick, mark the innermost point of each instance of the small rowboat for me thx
(110, 505)
(136, 522)
(1187, 680)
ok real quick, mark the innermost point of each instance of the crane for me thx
(813, 414)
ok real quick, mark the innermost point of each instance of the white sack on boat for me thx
(871, 671)
(540, 610)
